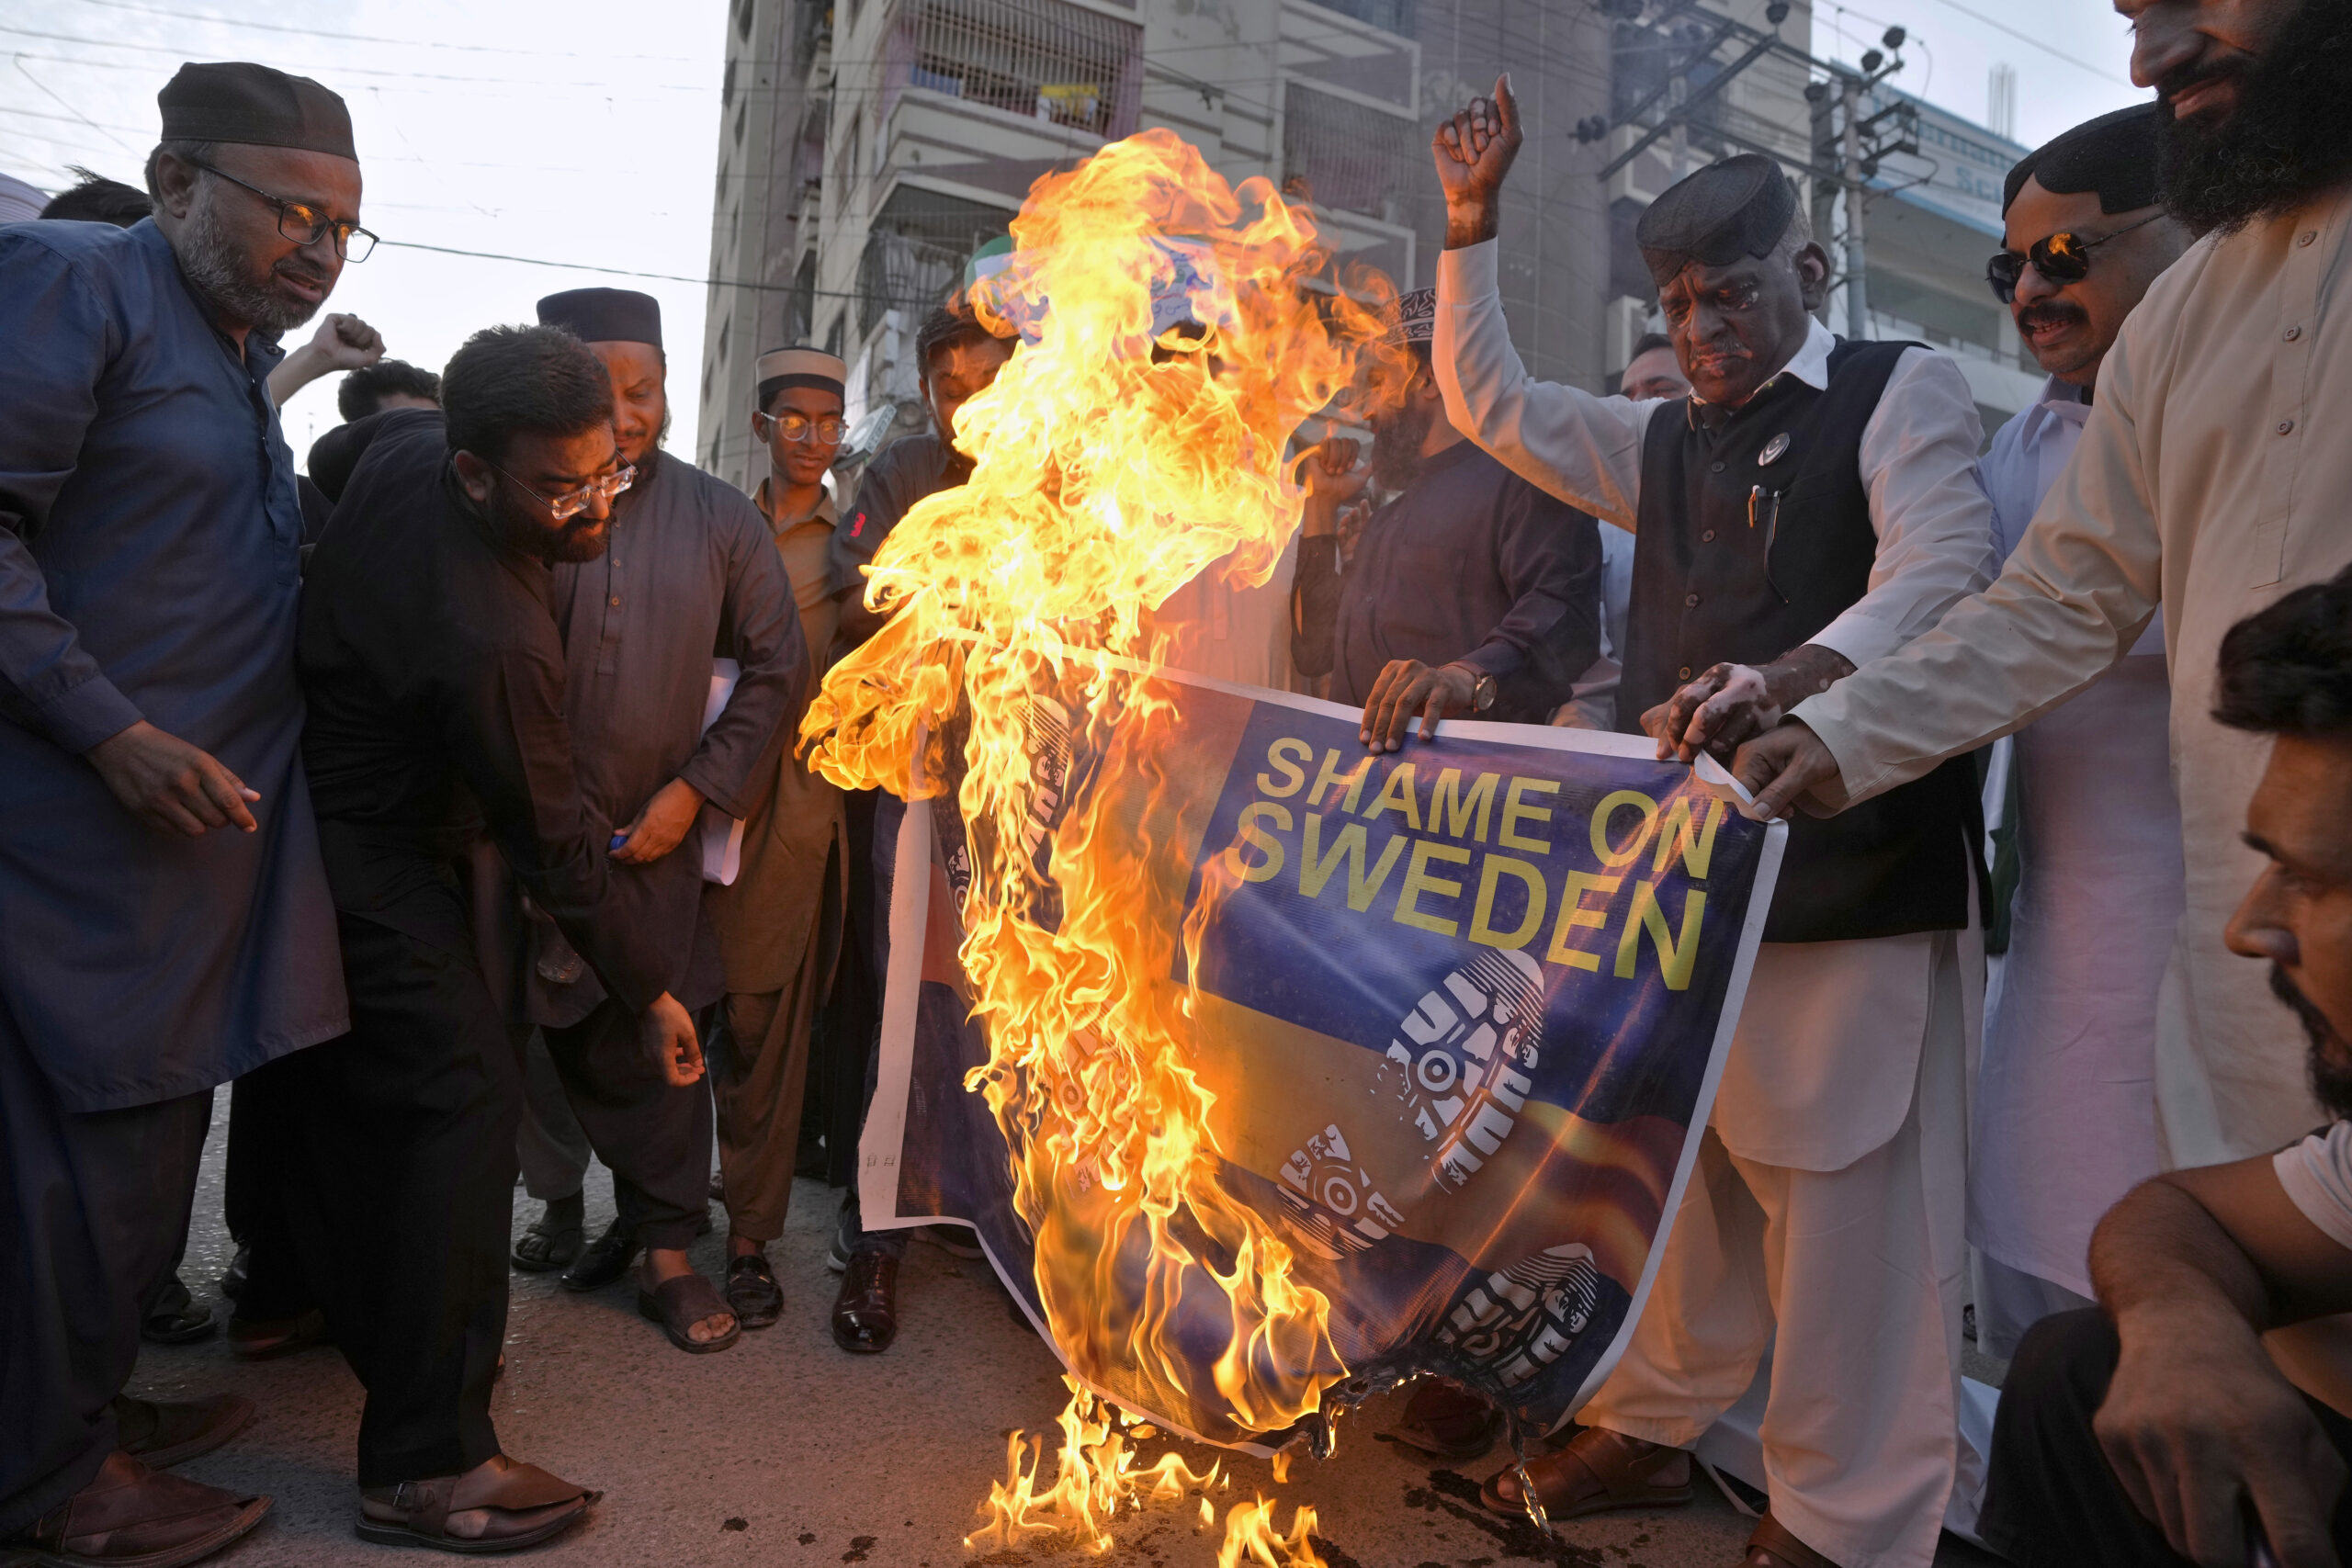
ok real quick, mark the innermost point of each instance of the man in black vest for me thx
(1810, 506)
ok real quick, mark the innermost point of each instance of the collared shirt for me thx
(901, 474)
(807, 548)
(436, 677)
(2210, 479)
(149, 569)
(1918, 462)
(1469, 564)
(689, 572)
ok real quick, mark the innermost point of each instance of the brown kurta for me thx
(779, 930)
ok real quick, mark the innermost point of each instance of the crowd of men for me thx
(443, 800)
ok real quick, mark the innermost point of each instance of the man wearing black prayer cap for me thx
(164, 918)
(2065, 1104)
(689, 572)
(1809, 506)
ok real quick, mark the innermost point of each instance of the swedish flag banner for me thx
(1461, 1009)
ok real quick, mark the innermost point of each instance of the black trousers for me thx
(406, 1195)
(2051, 1501)
(92, 1206)
(653, 1136)
(263, 1170)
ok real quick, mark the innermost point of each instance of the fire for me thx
(1117, 458)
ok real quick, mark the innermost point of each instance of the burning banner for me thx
(1266, 1070)
(1458, 1013)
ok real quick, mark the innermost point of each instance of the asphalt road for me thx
(785, 1451)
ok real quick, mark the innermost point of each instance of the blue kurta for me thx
(149, 530)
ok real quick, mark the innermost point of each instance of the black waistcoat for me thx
(1723, 573)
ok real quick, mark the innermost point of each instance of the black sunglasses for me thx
(2062, 257)
(300, 224)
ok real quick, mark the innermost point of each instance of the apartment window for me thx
(1039, 59)
(915, 253)
(1394, 16)
(1350, 155)
(744, 9)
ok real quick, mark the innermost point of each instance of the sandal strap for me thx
(1599, 1464)
(1773, 1542)
(688, 1298)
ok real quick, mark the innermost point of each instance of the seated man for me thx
(2162, 1427)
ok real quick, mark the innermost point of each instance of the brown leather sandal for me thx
(1599, 1471)
(133, 1517)
(160, 1434)
(1771, 1545)
(679, 1302)
(527, 1504)
(1446, 1422)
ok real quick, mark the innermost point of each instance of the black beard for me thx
(2284, 139)
(2331, 1059)
(520, 525)
(1396, 440)
(211, 262)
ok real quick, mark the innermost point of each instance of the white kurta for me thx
(2210, 479)
(1827, 1220)
(2065, 1109)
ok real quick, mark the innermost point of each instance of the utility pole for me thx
(1857, 307)
(1863, 141)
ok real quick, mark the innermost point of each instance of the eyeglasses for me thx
(305, 225)
(828, 430)
(573, 502)
(2061, 258)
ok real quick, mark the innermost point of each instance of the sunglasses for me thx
(2061, 258)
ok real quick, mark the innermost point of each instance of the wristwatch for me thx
(1482, 689)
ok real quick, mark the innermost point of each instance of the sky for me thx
(578, 132)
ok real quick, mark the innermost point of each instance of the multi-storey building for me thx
(869, 146)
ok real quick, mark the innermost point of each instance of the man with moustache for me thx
(1471, 593)
(164, 918)
(689, 571)
(2065, 1114)
(2208, 479)
(435, 669)
(2162, 1427)
(1811, 505)
(779, 923)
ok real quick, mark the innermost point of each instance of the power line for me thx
(374, 38)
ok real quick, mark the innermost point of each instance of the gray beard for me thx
(209, 262)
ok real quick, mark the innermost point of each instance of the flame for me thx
(1116, 459)
(1250, 1538)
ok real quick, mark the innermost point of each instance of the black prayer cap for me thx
(604, 315)
(239, 101)
(2114, 155)
(1738, 207)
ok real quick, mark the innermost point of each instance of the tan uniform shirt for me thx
(2212, 478)
(775, 908)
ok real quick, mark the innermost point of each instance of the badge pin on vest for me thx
(1773, 451)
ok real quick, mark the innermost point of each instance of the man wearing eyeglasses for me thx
(2066, 1112)
(164, 918)
(436, 673)
(779, 922)
(2210, 478)
(1811, 504)
(689, 572)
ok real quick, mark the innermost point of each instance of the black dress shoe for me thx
(865, 1313)
(606, 1259)
(176, 1317)
(752, 1295)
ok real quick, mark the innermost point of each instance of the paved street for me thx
(785, 1451)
